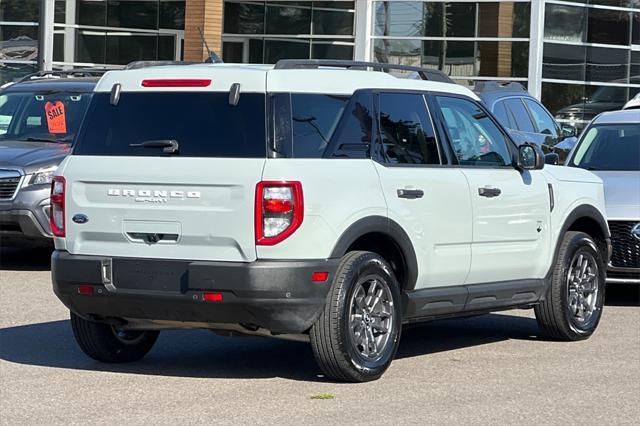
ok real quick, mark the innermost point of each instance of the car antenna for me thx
(213, 57)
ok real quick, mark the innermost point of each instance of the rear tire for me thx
(575, 296)
(357, 334)
(105, 343)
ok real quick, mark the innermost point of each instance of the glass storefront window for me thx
(132, 14)
(608, 27)
(565, 23)
(564, 62)
(240, 18)
(19, 11)
(288, 20)
(90, 47)
(258, 31)
(503, 59)
(330, 50)
(18, 42)
(491, 18)
(172, 14)
(331, 22)
(274, 50)
(59, 16)
(91, 12)
(635, 34)
(606, 64)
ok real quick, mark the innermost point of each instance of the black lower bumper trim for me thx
(279, 296)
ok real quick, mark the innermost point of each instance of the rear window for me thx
(203, 125)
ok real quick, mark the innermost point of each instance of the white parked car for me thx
(315, 201)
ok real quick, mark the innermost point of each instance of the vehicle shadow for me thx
(202, 354)
(17, 258)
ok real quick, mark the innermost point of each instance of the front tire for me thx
(575, 297)
(106, 343)
(357, 334)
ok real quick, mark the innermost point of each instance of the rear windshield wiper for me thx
(169, 145)
(32, 139)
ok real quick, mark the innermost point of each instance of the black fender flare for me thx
(388, 227)
(584, 210)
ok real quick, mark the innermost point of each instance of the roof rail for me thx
(494, 86)
(78, 72)
(423, 73)
(135, 65)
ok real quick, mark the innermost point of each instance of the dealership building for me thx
(584, 52)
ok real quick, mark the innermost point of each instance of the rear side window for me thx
(311, 125)
(503, 116)
(520, 114)
(314, 120)
(406, 131)
(544, 122)
(203, 124)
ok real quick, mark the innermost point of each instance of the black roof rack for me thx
(144, 64)
(78, 72)
(494, 86)
(423, 73)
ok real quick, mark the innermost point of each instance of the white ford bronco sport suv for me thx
(316, 200)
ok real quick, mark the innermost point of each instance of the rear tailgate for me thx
(199, 209)
(166, 166)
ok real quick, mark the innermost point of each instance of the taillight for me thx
(279, 211)
(57, 206)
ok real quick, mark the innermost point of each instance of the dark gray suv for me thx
(39, 117)
(526, 119)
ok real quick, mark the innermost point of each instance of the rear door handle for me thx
(410, 193)
(489, 192)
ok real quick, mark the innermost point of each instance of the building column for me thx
(364, 26)
(70, 32)
(206, 15)
(45, 32)
(536, 45)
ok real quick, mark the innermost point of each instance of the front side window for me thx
(503, 116)
(406, 131)
(546, 125)
(476, 139)
(609, 147)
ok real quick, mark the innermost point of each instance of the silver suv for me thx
(39, 117)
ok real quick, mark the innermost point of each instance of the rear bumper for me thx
(276, 295)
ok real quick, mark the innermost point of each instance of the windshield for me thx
(50, 116)
(609, 147)
(183, 124)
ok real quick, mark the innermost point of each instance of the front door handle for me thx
(489, 192)
(410, 193)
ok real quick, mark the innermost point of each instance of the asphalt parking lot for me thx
(483, 370)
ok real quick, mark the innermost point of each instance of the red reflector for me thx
(85, 290)
(176, 83)
(212, 297)
(277, 206)
(319, 276)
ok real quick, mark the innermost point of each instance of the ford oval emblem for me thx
(80, 218)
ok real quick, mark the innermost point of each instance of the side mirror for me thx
(552, 158)
(530, 157)
(568, 130)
